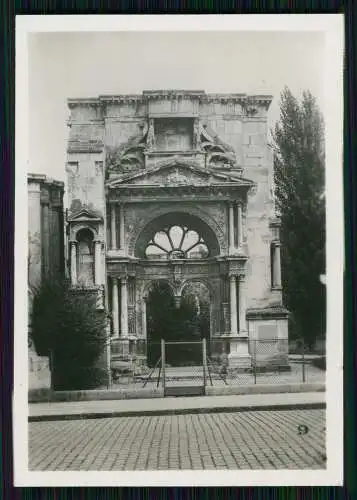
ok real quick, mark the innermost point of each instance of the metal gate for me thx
(184, 378)
(187, 378)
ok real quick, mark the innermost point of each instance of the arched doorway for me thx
(179, 251)
(159, 308)
(182, 325)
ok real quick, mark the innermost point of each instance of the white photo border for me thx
(332, 26)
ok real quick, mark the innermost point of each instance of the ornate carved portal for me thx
(176, 208)
(178, 273)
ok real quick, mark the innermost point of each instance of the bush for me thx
(67, 327)
(90, 377)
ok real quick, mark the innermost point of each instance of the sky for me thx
(78, 64)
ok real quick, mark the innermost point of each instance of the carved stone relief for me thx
(129, 156)
(218, 152)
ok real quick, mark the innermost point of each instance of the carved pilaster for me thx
(115, 307)
(124, 306)
(242, 306)
(277, 266)
(113, 226)
(121, 227)
(97, 262)
(231, 227)
(73, 247)
(233, 304)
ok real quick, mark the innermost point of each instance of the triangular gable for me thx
(84, 215)
(176, 173)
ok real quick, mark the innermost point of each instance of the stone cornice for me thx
(43, 179)
(260, 100)
(172, 94)
(89, 101)
(275, 312)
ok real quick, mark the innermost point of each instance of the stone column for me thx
(239, 357)
(242, 307)
(115, 307)
(231, 227)
(277, 266)
(73, 262)
(97, 262)
(143, 318)
(233, 304)
(113, 227)
(240, 225)
(121, 226)
(46, 239)
(177, 301)
(124, 307)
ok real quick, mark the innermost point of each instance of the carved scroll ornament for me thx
(218, 152)
(129, 156)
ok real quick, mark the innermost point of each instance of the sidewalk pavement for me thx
(171, 406)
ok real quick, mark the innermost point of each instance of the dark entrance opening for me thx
(182, 326)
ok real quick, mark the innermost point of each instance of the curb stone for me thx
(175, 411)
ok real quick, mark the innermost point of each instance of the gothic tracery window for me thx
(177, 242)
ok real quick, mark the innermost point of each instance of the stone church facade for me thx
(177, 187)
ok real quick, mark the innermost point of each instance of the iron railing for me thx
(211, 362)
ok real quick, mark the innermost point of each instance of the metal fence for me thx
(211, 362)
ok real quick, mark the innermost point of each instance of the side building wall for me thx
(45, 252)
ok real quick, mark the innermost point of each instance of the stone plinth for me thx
(239, 357)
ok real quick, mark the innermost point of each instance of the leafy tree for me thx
(67, 327)
(299, 161)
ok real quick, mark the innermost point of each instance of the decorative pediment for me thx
(84, 215)
(177, 172)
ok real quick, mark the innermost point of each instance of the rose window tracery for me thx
(177, 242)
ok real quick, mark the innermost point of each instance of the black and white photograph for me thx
(179, 250)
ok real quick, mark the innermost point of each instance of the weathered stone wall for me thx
(108, 122)
(45, 253)
(45, 228)
(86, 182)
(248, 136)
(34, 231)
(85, 157)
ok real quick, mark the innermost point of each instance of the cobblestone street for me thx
(240, 440)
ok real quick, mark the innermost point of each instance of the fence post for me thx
(163, 362)
(109, 362)
(51, 369)
(303, 361)
(204, 353)
(255, 361)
